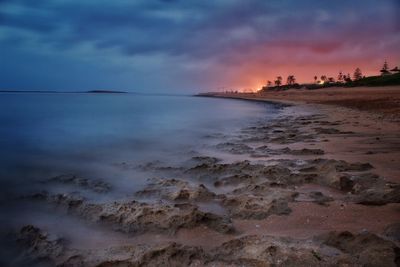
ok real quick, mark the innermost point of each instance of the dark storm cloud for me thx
(190, 27)
(222, 31)
(176, 27)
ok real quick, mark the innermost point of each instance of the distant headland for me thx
(64, 92)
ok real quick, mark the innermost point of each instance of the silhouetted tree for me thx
(340, 77)
(323, 78)
(385, 68)
(269, 83)
(315, 79)
(290, 80)
(357, 74)
(278, 81)
(347, 78)
(331, 80)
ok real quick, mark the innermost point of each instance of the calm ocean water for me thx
(43, 135)
(90, 135)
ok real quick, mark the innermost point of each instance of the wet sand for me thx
(317, 186)
(372, 115)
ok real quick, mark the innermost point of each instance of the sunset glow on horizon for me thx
(186, 46)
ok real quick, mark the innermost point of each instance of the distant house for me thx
(395, 70)
(331, 80)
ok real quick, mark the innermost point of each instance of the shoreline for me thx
(384, 101)
(375, 125)
(248, 98)
(384, 125)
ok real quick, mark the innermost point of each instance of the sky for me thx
(186, 46)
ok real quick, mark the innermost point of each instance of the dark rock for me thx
(252, 207)
(379, 196)
(369, 249)
(392, 231)
(320, 198)
(234, 148)
(136, 217)
(94, 185)
(39, 245)
(174, 189)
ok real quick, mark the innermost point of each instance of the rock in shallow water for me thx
(234, 148)
(137, 217)
(39, 245)
(93, 185)
(174, 189)
(332, 249)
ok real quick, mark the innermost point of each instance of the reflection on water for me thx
(93, 135)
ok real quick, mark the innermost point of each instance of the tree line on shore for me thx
(342, 80)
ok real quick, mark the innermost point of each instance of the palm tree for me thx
(278, 81)
(315, 79)
(323, 78)
(269, 83)
(290, 80)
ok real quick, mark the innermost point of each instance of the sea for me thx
(103, 136)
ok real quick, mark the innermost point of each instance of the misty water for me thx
(96, 136)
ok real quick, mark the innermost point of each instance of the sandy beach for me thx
(384, 101)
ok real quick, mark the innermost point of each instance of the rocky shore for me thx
(317, 186)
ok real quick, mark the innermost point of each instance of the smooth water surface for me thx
(100, 136)
(43, 135)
